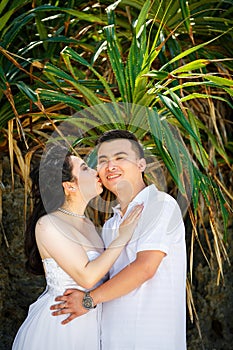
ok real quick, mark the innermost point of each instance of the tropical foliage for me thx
(161, 69)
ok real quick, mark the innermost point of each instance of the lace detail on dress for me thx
(57, 279)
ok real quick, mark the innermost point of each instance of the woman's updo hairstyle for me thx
(55, 168)
(47, 193)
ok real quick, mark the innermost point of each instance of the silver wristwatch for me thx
(88, 302)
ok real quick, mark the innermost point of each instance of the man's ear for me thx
(142, 164)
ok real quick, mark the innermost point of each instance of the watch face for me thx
(87, 302)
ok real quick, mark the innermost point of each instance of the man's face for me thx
(119, 166)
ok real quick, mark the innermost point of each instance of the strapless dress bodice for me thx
(58, 280)
(41, 330)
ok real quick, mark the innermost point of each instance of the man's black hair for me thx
(122, 134)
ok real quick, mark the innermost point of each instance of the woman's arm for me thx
(71, 256)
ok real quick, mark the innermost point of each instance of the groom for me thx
(144, 299)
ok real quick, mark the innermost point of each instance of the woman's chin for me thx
(98, 192)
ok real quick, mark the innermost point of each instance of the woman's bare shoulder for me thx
(45, 220)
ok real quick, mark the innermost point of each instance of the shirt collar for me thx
(141, 197)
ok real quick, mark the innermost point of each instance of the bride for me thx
(62, 242)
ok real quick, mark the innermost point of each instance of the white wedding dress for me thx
(42, 331)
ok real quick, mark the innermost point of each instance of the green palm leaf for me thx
(174, 108)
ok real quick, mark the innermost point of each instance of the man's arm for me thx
(128, 279)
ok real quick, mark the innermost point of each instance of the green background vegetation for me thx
(173, 58)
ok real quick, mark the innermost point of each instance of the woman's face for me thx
(88, 182)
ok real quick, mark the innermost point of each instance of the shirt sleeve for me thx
(161, 225)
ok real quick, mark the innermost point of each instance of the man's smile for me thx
(112, 176)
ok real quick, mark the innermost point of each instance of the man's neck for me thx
(125, 196)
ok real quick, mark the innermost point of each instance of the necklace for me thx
(71, 213)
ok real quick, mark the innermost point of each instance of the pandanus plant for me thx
(153, 68)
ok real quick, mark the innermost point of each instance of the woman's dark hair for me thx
(47, 192)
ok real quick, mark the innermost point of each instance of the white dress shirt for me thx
(152, 316)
